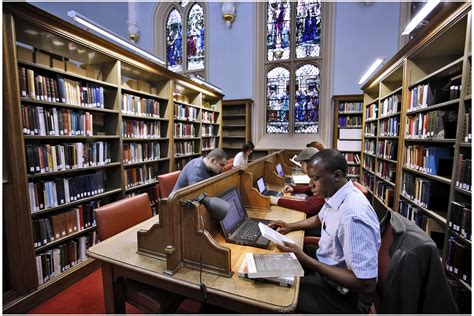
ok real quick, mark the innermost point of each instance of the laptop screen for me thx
(236, 213)
(280, 170)
(260, 185)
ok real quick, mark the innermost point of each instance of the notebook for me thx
(263, 190)
(238, 228)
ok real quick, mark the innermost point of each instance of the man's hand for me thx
(280, 226)
(291, 247)
(288, 189)
(274, 200)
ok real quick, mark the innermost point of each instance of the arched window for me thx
(286, 47)
(184, 42)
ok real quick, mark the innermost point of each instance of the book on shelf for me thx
(352, 133)
(272, 265)
(286, 281)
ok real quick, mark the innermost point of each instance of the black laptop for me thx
(263, 189)
(238, 228)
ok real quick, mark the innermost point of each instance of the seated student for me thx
(313, 203)
(316, 145)
(202, 168)
(342, 274)
(242, 157)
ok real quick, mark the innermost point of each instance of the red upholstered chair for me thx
(230, 161)
(166, 183)
(113, 218)
(228, 167)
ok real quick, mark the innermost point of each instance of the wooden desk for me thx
(119, 258)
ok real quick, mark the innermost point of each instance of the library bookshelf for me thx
(85, 123)
(348, 130)
(236, 122)
(426, 175)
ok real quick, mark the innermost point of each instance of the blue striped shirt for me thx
(350, 233)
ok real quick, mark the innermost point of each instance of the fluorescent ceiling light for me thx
(429, 6)
(201, 81)
(372, 68)
(103, 31)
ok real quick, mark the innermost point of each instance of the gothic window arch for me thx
(184, 42)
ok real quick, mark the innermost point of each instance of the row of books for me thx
(412, 213)
(368, 179)
(135, 105)
(424, 95)
(209, 143)
(458, 259)
(370, 129)
(180, 163)
(389, 127)
(350, 107)
(428, 159)
(369, 162)
(467, 130)
(53, 262)
(386, 170)
(351, 170)
(387, 149)
(53, 158)
(460, 219)
(208, 117)
(184, 130)
(349, 121)
(390, 105)
(352, 158)
(36, 86)
(39, 121)
(209, 130)
(140, 152)
(184, 148)
(140, 175)
(48, 194)
(436, 124)
(463, 175)
(46, 230)
(141, 129)
(185, 112)
(371, 112)
(385, 192)
(369, 146)
(427, 193)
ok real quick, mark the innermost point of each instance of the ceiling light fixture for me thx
(372, 68)
(423, 13)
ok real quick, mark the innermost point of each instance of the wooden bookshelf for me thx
(236, 122)
(432, 181)
(348, 127)
(122, 111)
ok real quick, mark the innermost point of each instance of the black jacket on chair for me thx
(416, 281)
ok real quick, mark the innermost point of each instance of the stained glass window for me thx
(278, 93)
(308, 28)
(174, 43)
(195, 38)
(278, 29)
(307, 99)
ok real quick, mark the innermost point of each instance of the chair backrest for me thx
(228, 167)
(115, 217)
(384, 255)
(230, 161)
(166, 183)
(361, 187)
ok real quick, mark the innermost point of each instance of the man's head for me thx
(327, 170)
(304, 156)
(216, 160)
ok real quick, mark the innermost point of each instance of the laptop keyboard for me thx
(250, 231)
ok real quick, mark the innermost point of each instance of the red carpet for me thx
(83, 297)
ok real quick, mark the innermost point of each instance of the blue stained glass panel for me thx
(278, 92)
(308, 28)
(308, 86)
(174, 41)
(195, 33)
(278, 29)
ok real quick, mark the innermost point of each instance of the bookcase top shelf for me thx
(391, 93)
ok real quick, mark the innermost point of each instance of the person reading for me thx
(341, 274)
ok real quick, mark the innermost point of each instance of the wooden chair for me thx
(166, 183)
(113, 218)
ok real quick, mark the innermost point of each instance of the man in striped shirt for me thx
(341, 276)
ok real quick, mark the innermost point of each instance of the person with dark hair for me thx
(202, 168)
(242, 157)
(342, 274)
(313, 203)
(316, 145)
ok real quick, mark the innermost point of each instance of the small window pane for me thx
(278, 30)
(195, 33)
(174, 41)
(308, 28)
(278, 91)
(307, 99)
